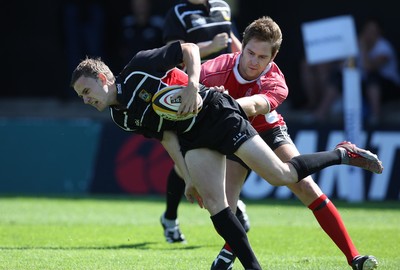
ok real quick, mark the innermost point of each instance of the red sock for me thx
(331, 222)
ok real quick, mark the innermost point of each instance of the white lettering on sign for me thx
(385, 144)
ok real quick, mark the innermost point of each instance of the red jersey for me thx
(223, 70)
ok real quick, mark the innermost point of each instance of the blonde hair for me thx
(91, 67)
(264, 29)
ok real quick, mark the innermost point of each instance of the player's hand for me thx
(188, 97)
(220, 41)
(191, 194)
(220, 89)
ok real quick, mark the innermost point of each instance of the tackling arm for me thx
(254, 105)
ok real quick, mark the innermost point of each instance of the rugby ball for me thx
(167, 107)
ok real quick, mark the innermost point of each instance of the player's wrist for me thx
(193, 85)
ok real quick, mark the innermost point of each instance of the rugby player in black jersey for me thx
(220, 128)
(208, 24)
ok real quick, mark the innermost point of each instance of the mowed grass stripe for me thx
(123, 232)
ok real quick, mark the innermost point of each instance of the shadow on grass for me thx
(141, 246)
(393, 205)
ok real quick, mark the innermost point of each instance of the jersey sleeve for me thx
(275, 90)
(158, 60)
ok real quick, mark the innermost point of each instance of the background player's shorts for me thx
(274, 137)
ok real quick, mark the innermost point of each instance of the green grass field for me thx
(120, 233)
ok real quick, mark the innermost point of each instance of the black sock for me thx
(175, 191)
(306, 165)
(229, 227)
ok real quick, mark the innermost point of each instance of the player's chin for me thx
(99, 107)
(254, 73)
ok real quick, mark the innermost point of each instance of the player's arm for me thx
(254, 105)
(236, 45)
(192, 62)
(272, 94)
(191, 59)
(206, 47)
(219, 42)
(171, 145)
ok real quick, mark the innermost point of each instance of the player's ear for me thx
(102, 78)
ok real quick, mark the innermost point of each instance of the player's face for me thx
(93, 92)
(254, 59)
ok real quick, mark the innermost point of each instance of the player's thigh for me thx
(263, 161)
(207, 171)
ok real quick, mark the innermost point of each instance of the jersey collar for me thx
(240, 79)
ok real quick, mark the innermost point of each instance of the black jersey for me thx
(198, 23)
(148, 72)
(220, 125)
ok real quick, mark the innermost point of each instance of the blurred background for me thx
(52, 143)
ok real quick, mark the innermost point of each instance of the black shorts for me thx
(274, 138)
(223, 126)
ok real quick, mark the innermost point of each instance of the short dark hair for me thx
(91, 67)
(264, 29)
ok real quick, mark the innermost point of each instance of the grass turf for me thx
(120, 233)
